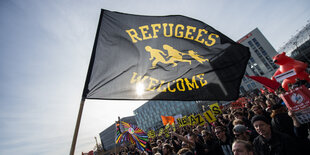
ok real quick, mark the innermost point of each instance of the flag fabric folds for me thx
(270, 84)
(167, 120)
(163, 58)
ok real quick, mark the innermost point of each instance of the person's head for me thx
(196, 131)
(154, 150)
(240, 132)
(199, 128)
(238, 115)
(185, 151)
(167, 149)
(220, 132)
(185, 145)
(159, 142)
(257, 110)
(238, 121)
(277, 109)
(242, 147)
(192, 137)
(205, 135)
(263, 105)
(262, 126)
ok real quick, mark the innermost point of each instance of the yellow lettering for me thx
(138, 79)
(169, 89)
(144, 32)
(133, 35)
(180, 82)
(152, 80)
(177, 33)
(202, 81)
(212, 39)
(161, 83)
(165, 30)
(191, 85)
(200, 35)
(156, 28)
(189, 31)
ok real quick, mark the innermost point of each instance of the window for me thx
(253, 85)
(256, 42)
(249, 86)
(250, 43)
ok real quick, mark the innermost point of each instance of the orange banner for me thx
(167, 119)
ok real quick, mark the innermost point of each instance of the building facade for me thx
(148, 116)
(260, 63)
(108, 135)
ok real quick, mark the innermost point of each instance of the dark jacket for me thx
(226, 146)
(279, 144)
(283, 123)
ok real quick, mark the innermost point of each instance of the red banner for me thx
(298, 101)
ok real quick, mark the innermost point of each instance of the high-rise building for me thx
(260, 63)
(148, 116)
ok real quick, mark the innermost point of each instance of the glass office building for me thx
(260, 63)
(148, 116)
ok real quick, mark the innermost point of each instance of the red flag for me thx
(89, 153)
(167, 119)
(270, 84)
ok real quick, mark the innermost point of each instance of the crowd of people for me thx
(264, 126)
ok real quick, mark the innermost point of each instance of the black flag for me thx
(163, 58)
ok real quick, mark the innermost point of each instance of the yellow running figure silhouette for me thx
(174, 55)
(156, 53)
(194, 55)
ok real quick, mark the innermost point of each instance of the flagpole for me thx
(85, 90)
(77, 126)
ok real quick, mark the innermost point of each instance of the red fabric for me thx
(297, 99)
(89, 153)
(271, 84)
(287, 63)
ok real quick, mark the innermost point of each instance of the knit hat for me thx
(260, 118)
(239, 128)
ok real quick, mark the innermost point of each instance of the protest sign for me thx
(298, 101)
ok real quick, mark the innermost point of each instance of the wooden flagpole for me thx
(77, 126)
(85, 90)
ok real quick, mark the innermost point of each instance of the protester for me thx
(240, 115)
(242, 147)
(155, 150)
(243, 133)
(168, 150)
(301, 132)
(194, 141)
(159, 146)
(210, 144)
(224, 140)
(281, 121)
(255, 131)
(185, 151)
(271, 142)
(258, 110)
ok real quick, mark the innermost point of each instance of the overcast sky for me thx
(45, 48)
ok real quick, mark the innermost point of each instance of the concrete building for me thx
(148, 116)
(260, 63)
